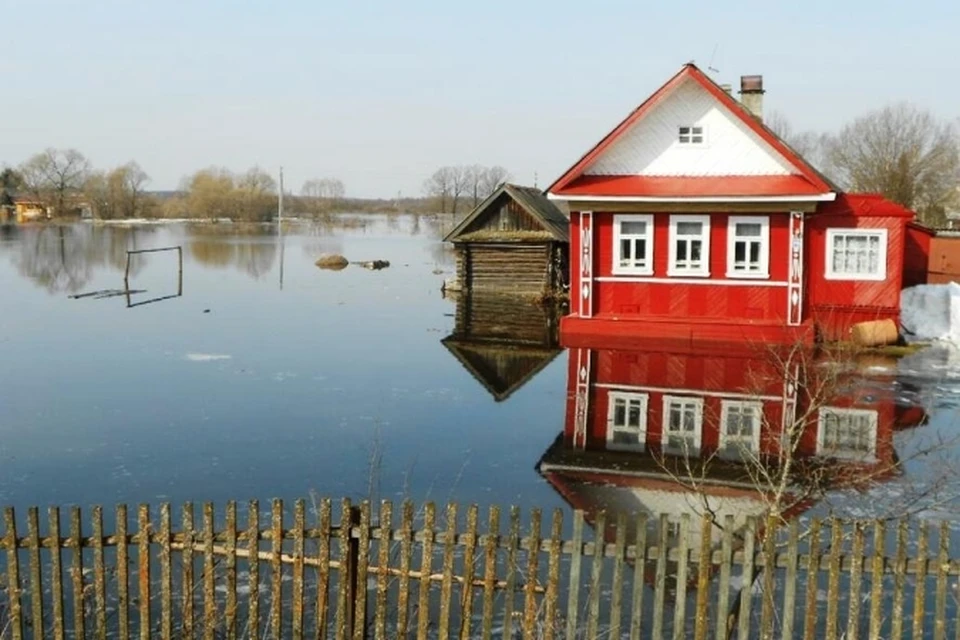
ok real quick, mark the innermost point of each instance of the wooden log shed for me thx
(516, 241)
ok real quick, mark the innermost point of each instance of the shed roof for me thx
(531, 200)
(500, 367)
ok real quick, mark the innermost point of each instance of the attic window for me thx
(691, 135)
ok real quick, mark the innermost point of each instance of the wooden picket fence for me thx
(368, 576)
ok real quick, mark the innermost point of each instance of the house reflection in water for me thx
(729, 431)
(503, 340)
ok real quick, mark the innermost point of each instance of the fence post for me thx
(348, 566)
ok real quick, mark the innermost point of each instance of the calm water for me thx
(253, 384)
(336, 384)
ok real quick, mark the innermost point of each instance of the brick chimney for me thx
(751, 95)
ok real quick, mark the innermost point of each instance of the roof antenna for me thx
(710, 66)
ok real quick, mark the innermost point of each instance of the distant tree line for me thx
(907, 154)
(450, 188)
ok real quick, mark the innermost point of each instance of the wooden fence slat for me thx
(748, 576)
(813, 579)
(276, 569)
(596, 574)
(362, 545)
(660, 580)
(99, 573)
(490, 569)
(856, 583)
(406, 555)
(344, 597)
(253, 570)
(383, 563)
(323, 567)
(723, 596)
(166, 574)
(899, 580)
(143, 570)
(919, 592)
(56, 573)
(510, 591)
(639, 566)
(683, 567)
(230, 570)
(36, 580)
(76, 573)
(530, 604)
(426, 564)
(940, 602)
(186, 572)
(209, 577)
(469, 572)
(876, 578)
(769, 573)
(299, 523)
(704, 567)
(616, 598)
(833, 578)
(123, 575)
(790, 580)
(13, 574)
(553, 576)
(573, 591)
(446, 586)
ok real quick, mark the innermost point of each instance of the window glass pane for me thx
(625, 246)
(697, 139)
(745, 229)
(681, 251)
(755, 253)
(634, 227)
(625, 437)
(684, 131)
(619, 412)
(740, 251)
(689, 228)
(696, 246)
(641, 251)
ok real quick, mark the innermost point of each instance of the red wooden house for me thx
(666, 428)
(694, 219)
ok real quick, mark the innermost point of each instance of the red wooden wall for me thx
(837, 304)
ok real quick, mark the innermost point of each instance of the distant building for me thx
(693, 220)
(515, 241)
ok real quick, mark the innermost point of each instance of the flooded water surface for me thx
(245, 371)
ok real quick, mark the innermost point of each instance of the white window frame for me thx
(704, 270)
(832, 235)
(691, 134)
(683, 401)
(613, 428)
(646, 270)
(763, 272)
(862, 456)
(743, 445)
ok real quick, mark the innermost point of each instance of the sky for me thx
(380, 93)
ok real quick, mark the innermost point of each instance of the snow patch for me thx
(931, 312)
(206, 357)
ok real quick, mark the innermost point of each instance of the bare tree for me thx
(905, 153)
(55, 176)
(493, 177)
(323, 194)
(440, 187)
(134, 180)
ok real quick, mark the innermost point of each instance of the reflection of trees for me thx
(62, 258)
(251, 247)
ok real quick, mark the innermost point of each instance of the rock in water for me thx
(333, 262)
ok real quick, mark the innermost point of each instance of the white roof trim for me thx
(820, 197)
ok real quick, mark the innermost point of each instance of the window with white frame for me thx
(748, 247)
(689, 246)
(847, 433)
(627, 421)
(690, 134)
(740, 424)
(633, 244)
(682, 424)
(856, 254)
